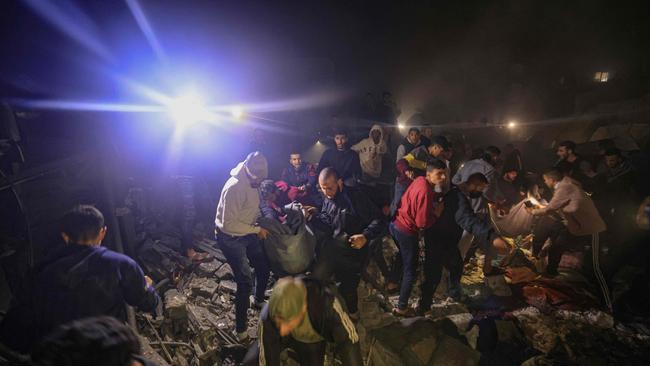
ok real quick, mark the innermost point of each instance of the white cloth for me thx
(370, 154)
(239, 205)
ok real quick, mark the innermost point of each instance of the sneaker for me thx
(242, 337)
(406, 313)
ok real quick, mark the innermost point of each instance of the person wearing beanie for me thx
(304, 314)
(239, 236)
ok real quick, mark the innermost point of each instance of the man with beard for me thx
(577, 167)
(347, 222)
(343, 159)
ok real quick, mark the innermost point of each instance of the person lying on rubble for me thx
(78, 280)
(347, 222)
(303, 314)
(581, 226)
(441, 240)
(417, 211)
(239, 236)
(97, 341)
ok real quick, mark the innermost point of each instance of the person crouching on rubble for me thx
(418, 210)
(441, 240)
(582, 223)
(303, 314)
(78, 280)
(239, 236)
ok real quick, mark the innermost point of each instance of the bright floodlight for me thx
(237, 112)
(188, 109)
(401, 126)
(512, 124)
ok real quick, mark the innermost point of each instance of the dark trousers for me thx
(409, 248)
(306, 353)
(440, 252)
(562, 241)
(241, 252)
(339, 260)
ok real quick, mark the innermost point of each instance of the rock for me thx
(208, 269)
(224, 272)
(498, 286)
(424, 349)
(451, 351)
(461, 321)
(175, 305)
(229, 287)
(442, 309)
(204, 287)
(472, 336)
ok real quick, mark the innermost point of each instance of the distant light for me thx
(512, 124)
(601, 76)
(237, 112)
(188, 109)
(401, 126)
(318, 143)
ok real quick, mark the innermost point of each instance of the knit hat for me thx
(256, 165)
(288, 298)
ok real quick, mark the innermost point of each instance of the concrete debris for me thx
(175, 305)
(208, 269)
(228, 287)
(497, 285)
(224, 272)
(204, 287)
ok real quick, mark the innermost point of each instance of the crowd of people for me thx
(349, 207)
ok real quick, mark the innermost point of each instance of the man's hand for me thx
(309, 211)
(263, 233)
(302, 188)
(439, 208)
(149, 281)
(358, 241)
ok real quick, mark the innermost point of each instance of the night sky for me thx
(455, 60)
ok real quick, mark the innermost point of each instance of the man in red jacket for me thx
(418, 210)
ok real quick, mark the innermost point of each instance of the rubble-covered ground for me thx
(520, 318)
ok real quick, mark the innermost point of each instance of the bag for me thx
(290, 246)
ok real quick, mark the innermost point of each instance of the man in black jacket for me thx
(347, 222)
(304, 314)
(342, 158)
(441, 240)
(79, 280)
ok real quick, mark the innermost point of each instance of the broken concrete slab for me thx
(452, 352)
(229, 287)
(497, 285)
(175, 305)
(208, 269)
(224, 272)
(204, 287)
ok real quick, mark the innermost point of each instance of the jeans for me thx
(339, 260)
(397, 198)
(241, 252)
(409, 248)
(440, 252)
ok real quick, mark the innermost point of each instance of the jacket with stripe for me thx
(329, 318)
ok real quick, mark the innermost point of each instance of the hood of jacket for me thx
(377, 127)
(70, 264)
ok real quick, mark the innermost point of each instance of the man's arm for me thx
(561, 198)
(356, 166)
(468, 220)
(136, 291)
(270, 344)
(371, 213)
(232, 224)
(424, 214)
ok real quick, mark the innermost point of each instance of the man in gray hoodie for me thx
(239, 236)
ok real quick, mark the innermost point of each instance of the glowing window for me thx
(601, 76)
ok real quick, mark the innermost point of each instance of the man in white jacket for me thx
(371, 151)
(239, 236)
